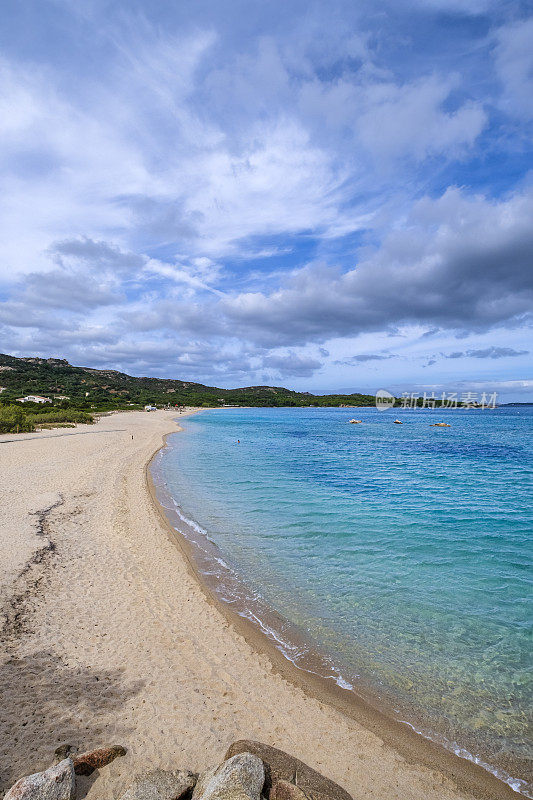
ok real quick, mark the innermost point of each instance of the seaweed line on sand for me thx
(29, 580)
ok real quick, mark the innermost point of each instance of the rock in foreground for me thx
(280, 766)
(161, 785)
(238, 778)
(64, 751)
(56, 783)
(283, 790)
(86, 763)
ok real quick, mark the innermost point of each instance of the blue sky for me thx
(327, 196)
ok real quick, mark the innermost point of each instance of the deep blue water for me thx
(404, 551)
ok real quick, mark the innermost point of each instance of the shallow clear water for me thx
(403, 551)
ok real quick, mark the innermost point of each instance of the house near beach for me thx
(33, 398)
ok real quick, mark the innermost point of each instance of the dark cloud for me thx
(496, 352)
(458, 262)
(192, 318)
(96, 255)
(489, 352)
(69, 291)
(292, 365)
(364, 357)
(429, 334)
(18, 315)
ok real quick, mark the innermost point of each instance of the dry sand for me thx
(109, 638)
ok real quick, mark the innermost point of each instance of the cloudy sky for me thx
(322, 195)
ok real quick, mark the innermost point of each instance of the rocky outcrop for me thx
(161, 785)
(86, 763)
(56, 783)
(281, 766)
(238, 778)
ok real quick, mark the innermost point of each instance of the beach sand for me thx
(109, 638)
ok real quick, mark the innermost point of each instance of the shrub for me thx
(61, 415)
(14, 420)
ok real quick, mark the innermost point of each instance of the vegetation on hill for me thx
(87, 389)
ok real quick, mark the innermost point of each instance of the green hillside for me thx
(92, 389)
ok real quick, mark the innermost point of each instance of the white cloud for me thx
(153, 152)
(410, 120)
(197, 276)
(514, 64)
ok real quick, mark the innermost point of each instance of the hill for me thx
(94, 389)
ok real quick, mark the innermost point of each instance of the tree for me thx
(13, 420)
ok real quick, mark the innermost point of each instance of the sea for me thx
(394, 560)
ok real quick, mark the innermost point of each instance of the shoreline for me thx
(414, 746)
(116, 642)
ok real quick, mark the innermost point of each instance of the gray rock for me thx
(56, 783)
(239, 778)
(282, 766)
(161, 785)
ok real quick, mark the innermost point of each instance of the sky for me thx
(329, 196)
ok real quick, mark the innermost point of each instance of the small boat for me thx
(355, 421)
(398, 422)
(440, 425)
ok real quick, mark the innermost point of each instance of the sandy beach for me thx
(108, 637)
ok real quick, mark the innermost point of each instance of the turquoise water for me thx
(403, 551)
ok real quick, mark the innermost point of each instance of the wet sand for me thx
(109, 637)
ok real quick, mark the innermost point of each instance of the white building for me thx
(33, 398)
